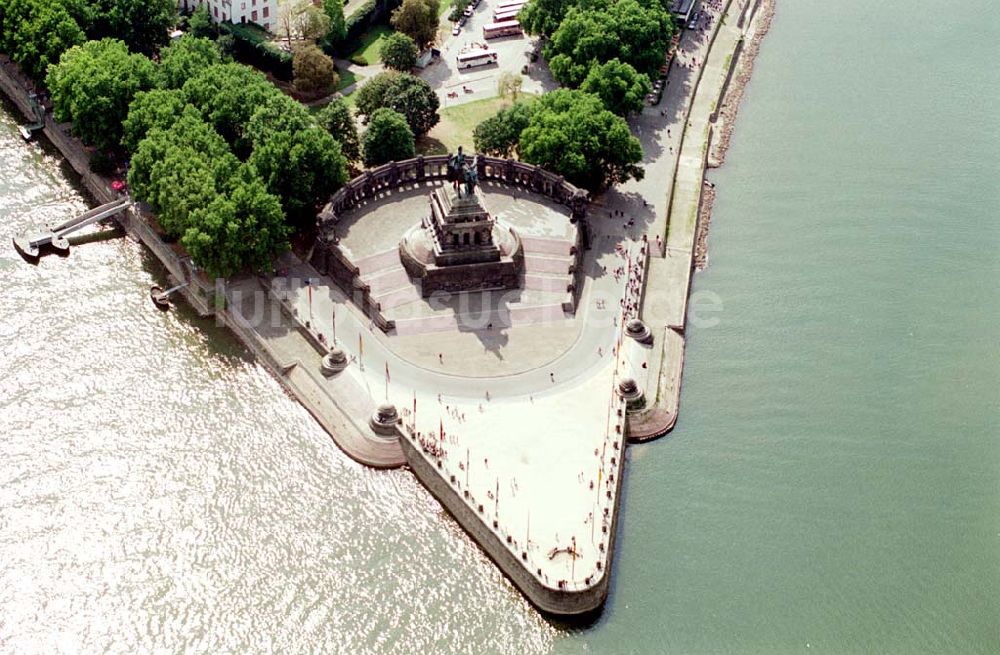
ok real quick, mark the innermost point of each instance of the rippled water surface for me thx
(833, 483)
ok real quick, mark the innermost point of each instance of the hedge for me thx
(371, 13)
(253, 47)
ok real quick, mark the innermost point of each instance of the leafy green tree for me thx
(84, 12)
(314, 71)
(544, 16)
(35, 33)
(336, 119)
(242, 229)
(620, 87)
(186, 57)
(200, 24)
(572, 134)
(334, 10)
(228, 95)
(418, 19)
(399, 52)
(298, 161)
(500, 134)
(633, 33)
(183, 181)
(180, 168)
(509, 85)
(159, 108)
(388, 138)
(409, 95)
(302, 19)
(93, 85)
(226, 43)
(144, 25)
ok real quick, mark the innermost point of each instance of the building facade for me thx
(261, 12)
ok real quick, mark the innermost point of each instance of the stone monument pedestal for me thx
(460, 247)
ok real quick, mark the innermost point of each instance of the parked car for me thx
(693, 23)
(456, 29)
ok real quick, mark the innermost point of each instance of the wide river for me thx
(833, 482)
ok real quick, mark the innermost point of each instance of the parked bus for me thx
(506, 28)
(504, 16)
(507, 5)
(476, 58)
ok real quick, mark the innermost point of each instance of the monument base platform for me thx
(416, 252)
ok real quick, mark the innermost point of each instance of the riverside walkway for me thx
(676, 140)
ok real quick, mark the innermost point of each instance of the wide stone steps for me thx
(547, 264)
(543, 246)
(373, 264)
(387, 280)
(543, 282)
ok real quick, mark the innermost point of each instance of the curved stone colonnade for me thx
(328, 258)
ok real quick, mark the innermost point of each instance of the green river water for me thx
(833, 484)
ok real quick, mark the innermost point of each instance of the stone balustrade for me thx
(433, 168)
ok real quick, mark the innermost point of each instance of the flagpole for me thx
(310, 294)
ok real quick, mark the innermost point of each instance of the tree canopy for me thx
(221, 210)
(334, 10)
(144, 25)
(159, 108)
(336, 119)
(388, 138)
(298, 161)
(418, 19)
(93, 85)
(572, 134)
(243, 228)
(184, 58)
(636, 34)
(399, 52)
(180, 168)
(620, 87)
(509, 85)
(35, 33)
(500, 134)
(544, 16)
(314, 72)
(200, 23)
(227, 95)
(409, 95)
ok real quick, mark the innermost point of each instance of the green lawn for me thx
(370, 43)
(457, 123)
(347, 78)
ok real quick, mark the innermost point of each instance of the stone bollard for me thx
(333, 362)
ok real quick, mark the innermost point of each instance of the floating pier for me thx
(54, 239)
